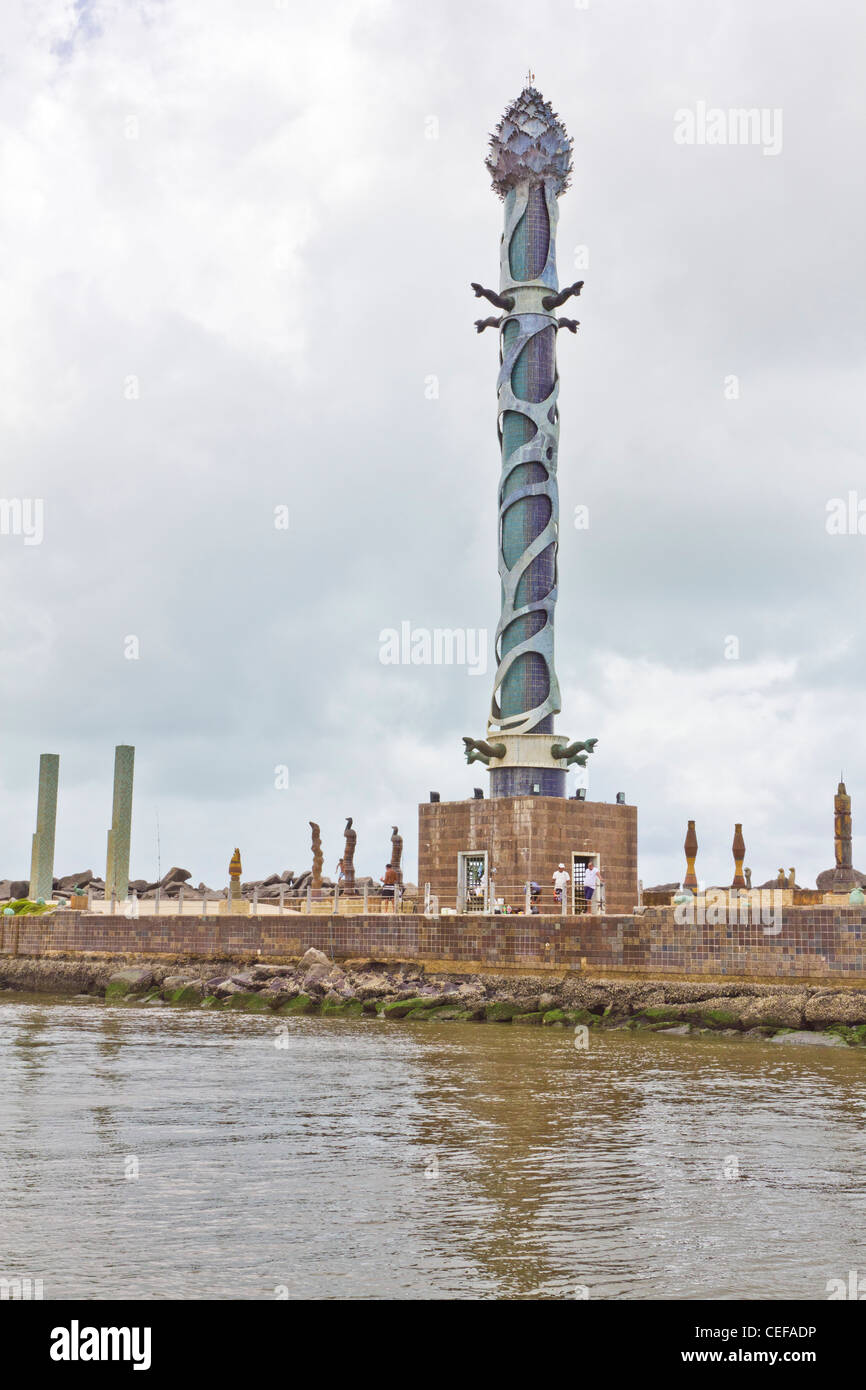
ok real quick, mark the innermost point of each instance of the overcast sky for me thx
(236, 240)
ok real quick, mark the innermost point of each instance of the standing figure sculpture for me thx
(235, 871)
(316, 881)
(691, 848)
(738, 849)
(396, 854)
(347, 863)
(844, 877)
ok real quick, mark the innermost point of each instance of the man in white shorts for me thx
(561, 881)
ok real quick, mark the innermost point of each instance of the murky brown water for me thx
(372, 1159)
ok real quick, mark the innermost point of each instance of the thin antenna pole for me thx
(158, 852)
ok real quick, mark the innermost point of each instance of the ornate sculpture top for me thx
(235, 869)
(530, 145)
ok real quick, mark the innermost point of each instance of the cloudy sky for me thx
(236, 241)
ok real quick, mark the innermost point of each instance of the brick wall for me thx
(525, 838)
(820, 944)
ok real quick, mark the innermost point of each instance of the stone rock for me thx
(175, 875)
(282, 988)
(70, 881)
(681, 1031)
(5, 890)
(177, 981)
(325, 977)
(803, 1039)
(824, 881)
(545, 1001)
(823, 1009)
(775, 1011)
(138, 977)
(19, 888)
(312, 957)
(222, 986)
(372, 986)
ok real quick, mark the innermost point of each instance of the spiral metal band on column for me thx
(524, 635)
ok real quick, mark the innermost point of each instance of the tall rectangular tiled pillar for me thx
(117, 861)
(42, 857)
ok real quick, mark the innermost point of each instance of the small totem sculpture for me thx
(396, 854)
(348, 860)
(316, 881)
(844, 877)
(691, 848)
(739, 852)
(235, 871)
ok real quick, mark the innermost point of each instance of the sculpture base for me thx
(234, 907)
(527, 781)
(522, 839)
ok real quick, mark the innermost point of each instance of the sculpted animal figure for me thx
(576, 752)
(351, 837)
(478, 750)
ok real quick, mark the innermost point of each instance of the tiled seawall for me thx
(814, 943)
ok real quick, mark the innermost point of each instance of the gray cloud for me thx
(244, 212)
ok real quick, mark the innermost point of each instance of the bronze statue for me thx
(316, 881)
(396, 854)
(348, 860)
(844, 876)
(748, 875)
(576, 752)
(691, 849)
(235, 871)
(478, 750)
(555, 301)
(738, 849)
(499, 301)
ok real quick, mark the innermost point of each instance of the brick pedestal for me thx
(525, 837)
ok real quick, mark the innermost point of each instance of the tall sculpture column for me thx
(843, 874)
(42, 855)
(117, 861)
(530, 164)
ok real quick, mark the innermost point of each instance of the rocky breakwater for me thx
(366, 988)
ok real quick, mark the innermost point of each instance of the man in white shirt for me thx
(561, 881)
(590, 880)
